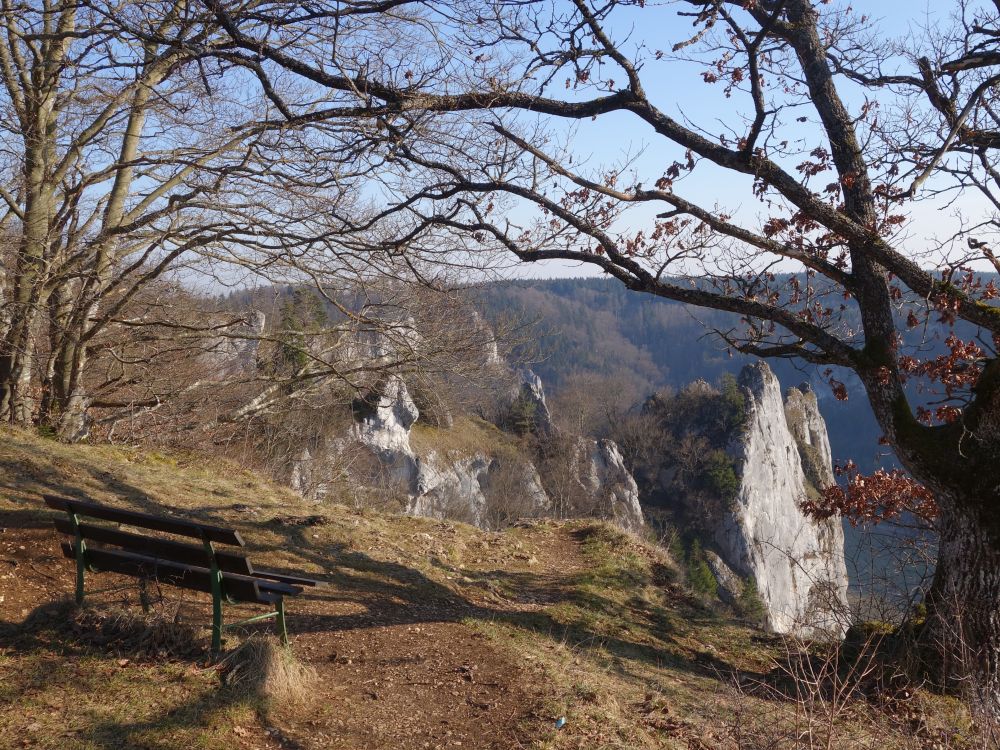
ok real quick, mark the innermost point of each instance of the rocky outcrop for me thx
(487, 336)
(798, 563)
(809, 430)
(235, 351)
(526, 409)
(385, 416)
(452, 489)
(485, 488)
(606, 487)
(731, 585)
(480, 489)
(600, 485)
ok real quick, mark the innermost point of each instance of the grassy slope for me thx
(571, 620)
(468, 436)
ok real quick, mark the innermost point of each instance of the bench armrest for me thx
(293, 580)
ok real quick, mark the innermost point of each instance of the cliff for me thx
(606, 488)
(471, 471)
(782, 454)
(464, 468)
(463, 485)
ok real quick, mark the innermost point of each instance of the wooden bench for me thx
(224, 573)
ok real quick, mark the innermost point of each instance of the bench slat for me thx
(163, 549)
(237, 587)
(216, 534)
(294, 580)
(278, 587)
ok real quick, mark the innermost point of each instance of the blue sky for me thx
(678, 90)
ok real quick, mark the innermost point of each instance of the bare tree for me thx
(133, 164)
(96, 209)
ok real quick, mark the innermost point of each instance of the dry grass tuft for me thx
(263, 668)
(125, 632)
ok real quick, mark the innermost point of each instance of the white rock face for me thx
(798, 563)
(451, 489)
(236, 351)
(527, 402)
(467, 488)
(809, 430)
(491, 350)
(387, 426)
(730, 584)
(480, 489)
(607, 488)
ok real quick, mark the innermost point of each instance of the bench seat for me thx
(226, 573)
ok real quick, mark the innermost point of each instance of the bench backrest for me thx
(168, 550)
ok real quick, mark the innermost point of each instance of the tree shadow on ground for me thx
(396, 594)
(384, 593)
(65, 654)
(381, 593)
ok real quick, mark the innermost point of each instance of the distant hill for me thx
(598, 326)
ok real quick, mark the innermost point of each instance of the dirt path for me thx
(399, 675)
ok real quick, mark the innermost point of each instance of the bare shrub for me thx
(373, 485)
(451, 504)
(812, 690)
(846, 696)
(596, 404)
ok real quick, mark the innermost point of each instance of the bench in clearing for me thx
(224, 573)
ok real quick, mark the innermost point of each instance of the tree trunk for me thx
(962, 635)
(73, 425)
(16, 363)
(64, 404)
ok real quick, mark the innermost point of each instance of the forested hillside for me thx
(596, 327)
(592, 340)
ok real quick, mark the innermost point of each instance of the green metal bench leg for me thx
(80, 569)
(280, 621)
(216, 622)
(216, 579)
(80, 548)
